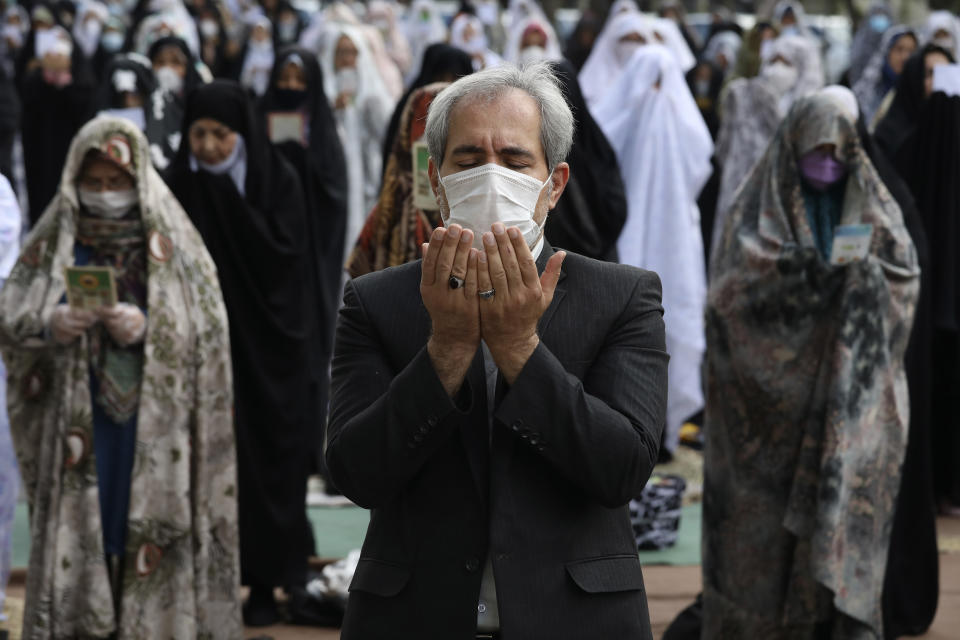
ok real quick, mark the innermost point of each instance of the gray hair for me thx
(536, 80)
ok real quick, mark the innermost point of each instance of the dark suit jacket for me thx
(574, 439)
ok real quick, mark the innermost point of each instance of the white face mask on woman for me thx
(169, 79)
(782, 77)
(490, 193)
(108, 204)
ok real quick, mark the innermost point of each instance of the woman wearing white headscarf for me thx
(664, 149)
(722, 50)
(383, 16)
(171, 18)
(362, 107)
(667, 33)
(389, 71)
(423, 26)
(621, 36)
(791, 18)
(88, 25)
(531, 40)
(521, 10)
(258, 62)
(943, 29)
(467, 33)
(752, 109)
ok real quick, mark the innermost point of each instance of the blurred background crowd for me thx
(290, 133)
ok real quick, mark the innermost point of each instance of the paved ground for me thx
(670, 589)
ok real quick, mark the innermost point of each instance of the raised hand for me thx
(125, 322)
(67, 324)
(509, 317)
(448, 286)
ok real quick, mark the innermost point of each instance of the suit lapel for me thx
(558, 293)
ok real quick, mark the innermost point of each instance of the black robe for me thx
(708, 104)
(322, 171)
(593, 208)
(911, 587)
(50, 118)
(260, 244)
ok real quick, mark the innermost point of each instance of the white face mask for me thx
(483, 195)
(209, 28)
(781, 77)
(108, 204)
(348, 81)
(624, 49)
(169, 79)
(944, 41)
(533, 54)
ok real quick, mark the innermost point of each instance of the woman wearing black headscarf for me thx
(130, 90)
(248, 205)
(593, 209)
(296, 89)
(921, 136)
(175, 67)
(56, 91)
(441, 63)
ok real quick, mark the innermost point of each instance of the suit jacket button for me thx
(516, 425)
(471, 565)
(417, 437)
(424, 428)
(432, 421)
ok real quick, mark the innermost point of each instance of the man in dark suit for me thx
(497, 404)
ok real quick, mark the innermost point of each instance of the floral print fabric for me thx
(181, 566)
(807, 399)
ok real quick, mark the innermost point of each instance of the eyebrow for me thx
(507, 151)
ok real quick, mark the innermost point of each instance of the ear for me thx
(561, 174)
(434, 177)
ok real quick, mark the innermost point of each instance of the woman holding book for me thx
(122, 425)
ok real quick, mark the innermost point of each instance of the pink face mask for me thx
(821, 170)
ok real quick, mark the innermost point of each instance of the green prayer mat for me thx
(340, 529)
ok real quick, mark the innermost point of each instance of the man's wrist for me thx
(451, 359)
(512, 356)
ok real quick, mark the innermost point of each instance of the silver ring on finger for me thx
(455, 282)
(488, 294)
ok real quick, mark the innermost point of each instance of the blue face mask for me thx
(879, 22)
(112, 41)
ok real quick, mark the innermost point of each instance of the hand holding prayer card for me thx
(90, 288)
(946, 78)
(287, 126)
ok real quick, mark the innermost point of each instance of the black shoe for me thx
(260, 609)
(304, 609)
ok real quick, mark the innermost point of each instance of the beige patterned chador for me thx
(180, 563)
